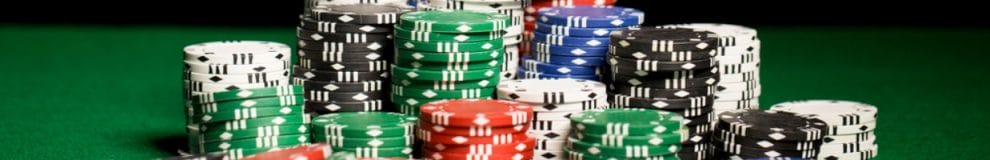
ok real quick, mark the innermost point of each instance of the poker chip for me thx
(368, 134)
(591, 16)
(521, 146)
(358, 13)
(526, 74)
(447, 21)
(470, 112)
(850, 126)
(304, 152)
(551, 91)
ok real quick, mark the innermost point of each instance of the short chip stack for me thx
(553, 102)
(628, 133)
(446, 55)
(571, 42)
(512, 35)
(471, 129)
(343, 57)
(738, 55)
(238, 101)
(753, 134)
(851, 126)
(667, 69)
(367, 134)
(533, 6)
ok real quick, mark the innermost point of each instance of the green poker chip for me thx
(413, 92)
(380, 142)
(402, 73)
(449, 21)
(423, 36)
(620, 140)
(632, 121)
(587, 155)
(460, 66)
(247, 113)
(375, 152)
(448, 47)
(245, 124)
(265, 131)
(411, 55)
(446, 85)
(364, 124)
(257, 142)
(277, 101)
(247, 94)
(628, 151)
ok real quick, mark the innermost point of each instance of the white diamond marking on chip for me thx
(464, 28)
(578, 61)
(594, 42)
(244, 93)
(332, 107)
(367, 28)
(564, 70)
(682, 93)
(331, 87)
(578, 52)
(461, 38)
(345, 18)
(360, 96)
(412, 74)
(618, 22)
(429, 93)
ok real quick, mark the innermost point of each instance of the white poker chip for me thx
(600, 103)
(852, 129)
(729, 34)
(868, 154)
(225, 69)
(738, 95)
(848, 147)
(548, 125)
(552, 116)
(260, 77)
(740, 77)
(549, 145)
(550, 135)
(736, 86)
(737, 104)
(833, 112)
(849, 138)
(548, 91)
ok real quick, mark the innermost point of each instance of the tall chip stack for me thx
(738, 55)
(344, 55)
(238, 100)
(533, 6)
(667, 69)
(851, 126)
(512, 35)
(446, 55)
(627, 133)
(754, 134)
(472, 129)
(553, 102)
(369, 135)
(571, 42)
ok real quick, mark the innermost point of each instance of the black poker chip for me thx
(671, 83)
(339, 76)
(659, 39)
(632, 72)
(353, 106)
(327, 96)
(750, 152)
(661, 103)
(328, 46)
(344, 56)
(773, 125)
(697, 135)
(722, 137)
(656, 66)
(663, 56)
(336, 86)
(360, 66)
(706, 118)
(343, 37)
(640, 91)
(335, 27)
(359, 13)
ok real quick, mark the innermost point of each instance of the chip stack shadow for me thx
(344, 53)
(667, 69)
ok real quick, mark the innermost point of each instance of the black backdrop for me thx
(283, 12)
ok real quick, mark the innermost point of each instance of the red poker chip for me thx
(476, 112)
(436, 138)
(525, 145)
(305, 152)
(437, 155)
(473, 131)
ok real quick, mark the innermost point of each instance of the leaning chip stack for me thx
(472, 129)
(238, 101)
(531, 13)
(851, 126)
(370, 135)
(738, 55)
(754, 134)
(344, 53)
(446, 54)
(571, 42)
(627, 133)
(667, 69)
(512, 35)
(553, 102)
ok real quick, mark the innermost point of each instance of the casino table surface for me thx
(114, 92)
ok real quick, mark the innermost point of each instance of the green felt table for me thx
(114, 92)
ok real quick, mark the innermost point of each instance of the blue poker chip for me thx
(525, 74)
(537, 66)
(558, 40)
(540, 47)
(574, 31)
(569, 60)
(591, 16)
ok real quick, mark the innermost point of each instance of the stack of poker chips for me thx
(571, 42)
(667, 69)
(343, 57)
(753, 134)
(472, 129)
(310, 4)
(628, 133)
(446, 55)
(238, 101)
(512, 35)
(531, 13)
(738, 55)
(553, 102)
(850, 126)
(369, 135)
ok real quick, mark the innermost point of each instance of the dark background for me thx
(282, 12)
